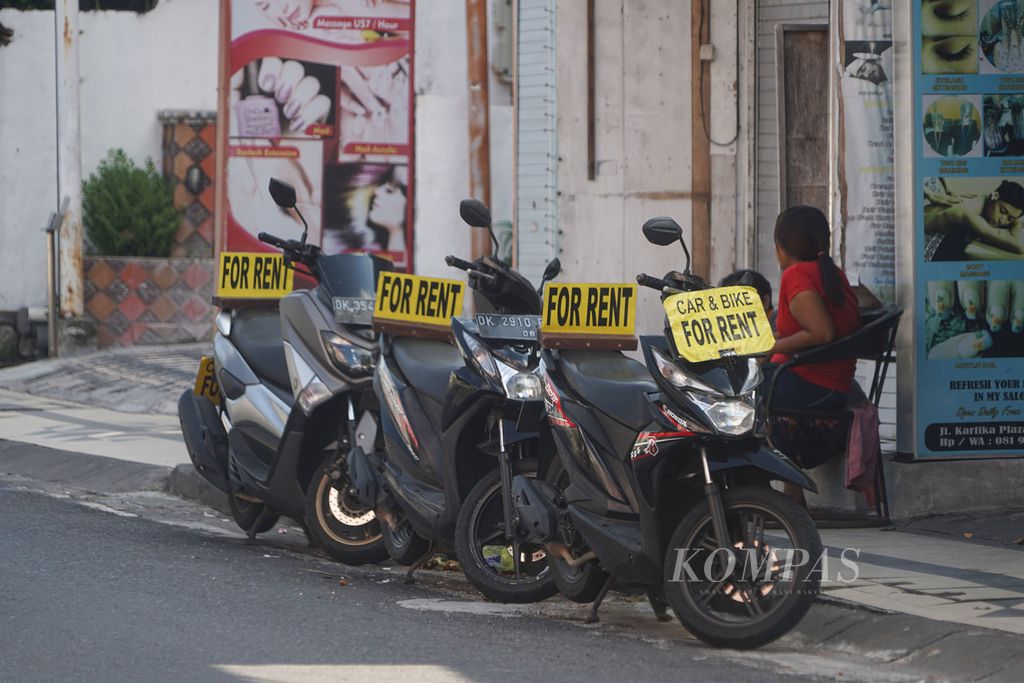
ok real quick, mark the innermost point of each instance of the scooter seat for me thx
(614, 384)
(257, 336)
(427, 364)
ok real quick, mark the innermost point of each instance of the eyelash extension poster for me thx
(968, 117)
(318, 93)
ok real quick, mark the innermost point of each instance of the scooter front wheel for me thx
(503, 569)
(345, 530)
(758, 587)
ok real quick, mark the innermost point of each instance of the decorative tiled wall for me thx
(189, 153)
(149, 300)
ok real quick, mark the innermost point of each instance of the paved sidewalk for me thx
(150, 439)
(144, 379)
(966, 583)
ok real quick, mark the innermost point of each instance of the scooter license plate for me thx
(508, 327)
(206, 381)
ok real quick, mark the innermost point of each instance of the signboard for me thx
(866, 206)
(318, 95)
(416, 301)
(252, 276)
(717, 323)
(968, 104)
(595, 315)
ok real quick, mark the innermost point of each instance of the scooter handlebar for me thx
(456, 262)
(645, 280)
(272, 241)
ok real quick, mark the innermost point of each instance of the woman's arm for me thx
(809, 310)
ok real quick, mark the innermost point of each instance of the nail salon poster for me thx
(969, 212)
(319, 95)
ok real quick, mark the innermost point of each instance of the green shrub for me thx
(127, 210)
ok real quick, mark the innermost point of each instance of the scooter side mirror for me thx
(282, 193)
(662, 231)
(552, 270)
(475, 213)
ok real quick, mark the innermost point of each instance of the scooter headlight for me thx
(732, 416)
(678, 377)
(522, 386)
(355, 361)
(481, 356)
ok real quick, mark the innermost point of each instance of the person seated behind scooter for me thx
(758, 282)
(816, 306)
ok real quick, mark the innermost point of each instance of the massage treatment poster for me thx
(969, 216)
(318, 93)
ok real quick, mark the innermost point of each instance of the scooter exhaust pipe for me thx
(562, 550)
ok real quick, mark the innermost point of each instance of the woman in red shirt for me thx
(816, 305)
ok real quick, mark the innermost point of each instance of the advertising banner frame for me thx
(353, 164)
(962, 291)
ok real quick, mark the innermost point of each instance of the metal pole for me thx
(479, 115)
(69, 158)
(52, 285)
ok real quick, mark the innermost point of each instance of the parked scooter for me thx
(287, 388)
(663, 481)
(458, 421)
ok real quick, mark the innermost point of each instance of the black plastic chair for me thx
(874, 341)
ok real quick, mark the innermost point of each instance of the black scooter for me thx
(458, 422)
(663, 481)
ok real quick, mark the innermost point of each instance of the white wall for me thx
(132, 66)
(442, 137)
(643, 141)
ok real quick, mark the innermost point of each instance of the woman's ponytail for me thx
(831, 280)
(802, 232)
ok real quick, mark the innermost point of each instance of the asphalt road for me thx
(89, 595)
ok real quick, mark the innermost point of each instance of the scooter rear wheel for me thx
(403, 544)
(583, 583)
(343, 529)
(246, 513)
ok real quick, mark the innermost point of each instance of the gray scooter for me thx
(290, 384)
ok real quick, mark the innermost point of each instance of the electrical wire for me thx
(700, 79)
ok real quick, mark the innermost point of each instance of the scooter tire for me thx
(247, 513)
(404, 545)
(330, 517)
(795, 604)
(579, 584)
(493, 586)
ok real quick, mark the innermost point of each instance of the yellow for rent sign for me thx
(584, 308)
(417, 299)
(244, 275)
(715, 323)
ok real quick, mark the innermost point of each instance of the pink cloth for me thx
(862, 451)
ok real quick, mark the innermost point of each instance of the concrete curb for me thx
(185, 482)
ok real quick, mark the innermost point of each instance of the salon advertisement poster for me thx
(969, 212)
(319, 95)
(867, 195)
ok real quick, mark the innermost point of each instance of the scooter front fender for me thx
(765, 459)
